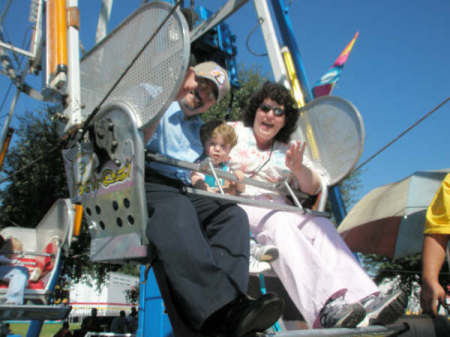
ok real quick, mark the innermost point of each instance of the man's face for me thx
(200, 98)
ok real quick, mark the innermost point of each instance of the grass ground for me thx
(48, 330)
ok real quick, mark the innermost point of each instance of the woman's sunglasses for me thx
(276, 111)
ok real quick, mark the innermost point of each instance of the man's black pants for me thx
(203, 245)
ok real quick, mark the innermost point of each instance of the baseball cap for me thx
(215, 73)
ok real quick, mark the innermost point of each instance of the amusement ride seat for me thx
(43, 248)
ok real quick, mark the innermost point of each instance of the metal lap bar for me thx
(285, 184)
(229, 176)
(254, 202)
(213, 170)
(34, 312)
(292, 194)
(25, 254)
(242, 200)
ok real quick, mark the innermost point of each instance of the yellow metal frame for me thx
(297, 93)
(57, 58)
(77, 219)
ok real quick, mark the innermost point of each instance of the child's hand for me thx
(198, 182)
(212, 189)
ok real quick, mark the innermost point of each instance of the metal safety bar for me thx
(213, 170)
(204, 167)
(254, 202)
(39, 312)
(200, 167)
(24, 254)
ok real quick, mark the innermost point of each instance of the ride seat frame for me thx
(56, 228)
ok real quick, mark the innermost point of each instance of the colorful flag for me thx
(325, 84)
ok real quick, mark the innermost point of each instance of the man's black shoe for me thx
(246, 315)
(254, 315)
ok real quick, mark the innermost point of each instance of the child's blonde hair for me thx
(214, 128)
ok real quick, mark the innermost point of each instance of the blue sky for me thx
(399, 68)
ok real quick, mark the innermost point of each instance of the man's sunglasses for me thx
(208, 86)
(276, 111)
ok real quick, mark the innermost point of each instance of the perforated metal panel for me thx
(334, 131)
(114, 197)
(160, 67)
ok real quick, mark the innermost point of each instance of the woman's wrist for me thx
(300, 173)
(307, 180)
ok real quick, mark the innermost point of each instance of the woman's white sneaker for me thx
(266, 253)
(383, 309)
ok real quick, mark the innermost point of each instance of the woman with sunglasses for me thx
(319, 272)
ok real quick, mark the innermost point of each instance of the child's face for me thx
(217, 150)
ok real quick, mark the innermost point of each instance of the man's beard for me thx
(195, 105)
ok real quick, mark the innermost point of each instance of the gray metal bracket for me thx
(112, 187)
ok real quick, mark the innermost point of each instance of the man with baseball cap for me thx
(201, 243)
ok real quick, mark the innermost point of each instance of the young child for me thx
(218, 138)
(15, 275)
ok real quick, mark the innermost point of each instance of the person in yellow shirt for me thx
(437, 235)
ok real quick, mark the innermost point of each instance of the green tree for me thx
(33, 184)
(132, 294)
(349, 186)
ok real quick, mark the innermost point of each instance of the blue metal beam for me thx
(288, 38)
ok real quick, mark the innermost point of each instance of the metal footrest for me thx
(34, 312)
